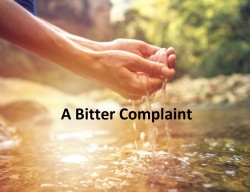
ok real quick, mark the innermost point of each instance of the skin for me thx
(116, 64)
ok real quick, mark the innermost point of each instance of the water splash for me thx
(151, 128)
(134, 127)
(167, 128)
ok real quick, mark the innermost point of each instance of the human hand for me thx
(119, 70)
(145, 50)
(166, 57)
(137, 47)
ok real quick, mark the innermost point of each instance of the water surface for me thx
(210, 153)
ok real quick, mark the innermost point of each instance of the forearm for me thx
(115, 69)
(25, 30)
(90, 44)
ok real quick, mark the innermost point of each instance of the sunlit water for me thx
(209, 153)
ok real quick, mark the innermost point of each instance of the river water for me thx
(209, 153)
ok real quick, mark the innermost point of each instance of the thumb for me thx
(149, 50)
(152, 69)
(154, 84)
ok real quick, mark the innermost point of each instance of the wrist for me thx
(85, 62)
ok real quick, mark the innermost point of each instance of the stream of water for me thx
(209, 153)
(151, 128)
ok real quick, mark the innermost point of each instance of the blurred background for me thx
(210, 153)
(211, 39)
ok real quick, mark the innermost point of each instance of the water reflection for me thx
(205, 157)
(73, 159)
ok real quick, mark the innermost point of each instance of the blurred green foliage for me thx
(210, 37)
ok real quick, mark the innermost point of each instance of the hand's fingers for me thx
(160, 51)
(148, 84)
(144, 85)
(170, 51)
(171, 61)
(152, 58)
(128, 93)
(154, 84)
(153, 69)
(172, 73)
(171, 57)
(149, 50)
(163, 58)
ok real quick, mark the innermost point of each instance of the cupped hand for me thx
(145, 50)
(166, 57)
(137, 47)
(120, 71)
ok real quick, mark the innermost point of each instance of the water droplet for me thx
(47, 185)
(74, 159)
(207, 185)
(232, 173)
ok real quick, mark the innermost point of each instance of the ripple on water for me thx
(156, 164)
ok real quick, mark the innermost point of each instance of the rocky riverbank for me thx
(28, 104)
(217, 91)
(202, 92)
(18, 94)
